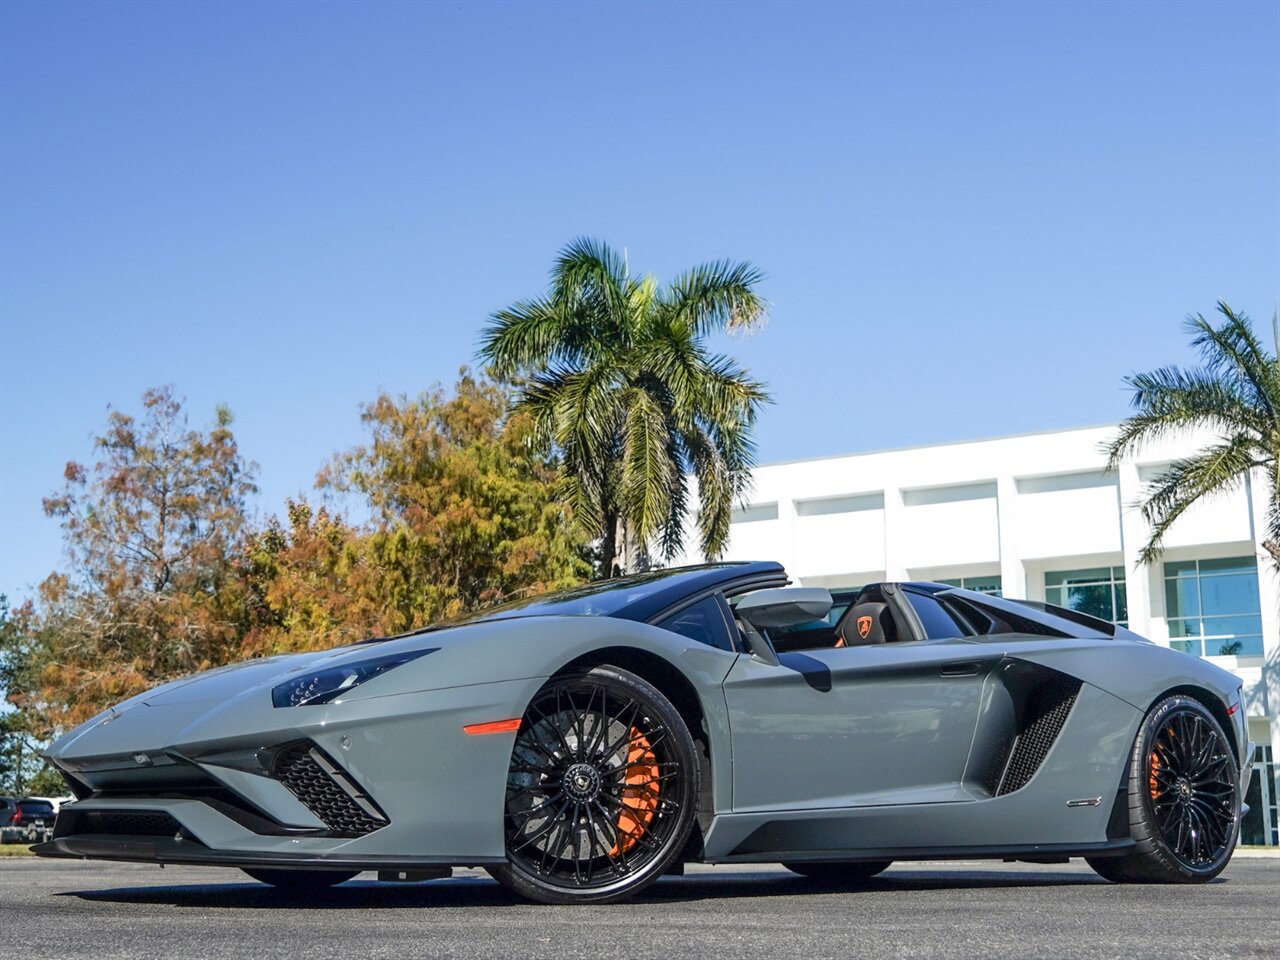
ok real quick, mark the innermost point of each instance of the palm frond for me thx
(579, 410)
(525, 336)
(1171, 401)
(589, 280)
(647, 470)
(716, 494)
(1273, 508)
(728, 395)
(1233, 350)
(1218, 468)
(717, 296)
(671, 541)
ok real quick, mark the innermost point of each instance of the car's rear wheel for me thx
(1183, 799)
(301, 881)
(602, 790)
(839, 873)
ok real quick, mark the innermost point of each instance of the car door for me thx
(855, 726)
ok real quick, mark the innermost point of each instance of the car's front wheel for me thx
(1183, 799)
(602, 790)
(301, 881)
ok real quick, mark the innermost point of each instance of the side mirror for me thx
(784, 606)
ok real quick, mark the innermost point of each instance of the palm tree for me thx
(1236, 395)
(616, 374)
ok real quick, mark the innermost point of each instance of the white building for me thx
(1037, 517)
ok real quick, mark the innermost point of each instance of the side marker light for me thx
(495, 726)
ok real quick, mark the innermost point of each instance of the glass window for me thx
(1098, 591)
(938, 623)
(991, 585)
(1213, 607)
(701, 621)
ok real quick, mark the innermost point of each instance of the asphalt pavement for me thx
(97, 911)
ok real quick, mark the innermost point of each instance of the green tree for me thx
(152, 530)
(615, 372)
(1234, 394)
(462, 512)
(23, 726)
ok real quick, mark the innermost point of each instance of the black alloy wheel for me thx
(1183, 799)
(602, 790)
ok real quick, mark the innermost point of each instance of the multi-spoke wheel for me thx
(602, 790)
(1184, 799)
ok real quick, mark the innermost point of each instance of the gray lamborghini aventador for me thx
(582, 744)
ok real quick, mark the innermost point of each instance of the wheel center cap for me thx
(1184, 789)
(582, 782)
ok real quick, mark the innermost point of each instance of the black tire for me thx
(613, 763)
(839, 873)
(1183, 799)
(301, 881)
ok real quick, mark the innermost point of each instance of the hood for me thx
(149, 720)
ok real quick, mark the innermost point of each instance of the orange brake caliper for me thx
(1153, 780)
(639, 794)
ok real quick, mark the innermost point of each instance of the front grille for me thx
(327, 790)
(1047, 712)
(130, 823)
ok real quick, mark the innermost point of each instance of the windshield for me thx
(602, 598)
(599, 599)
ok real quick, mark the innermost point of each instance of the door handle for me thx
(961, 668)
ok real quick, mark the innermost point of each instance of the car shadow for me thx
(475, 891)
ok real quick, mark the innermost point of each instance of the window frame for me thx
(1194, 645)
(1114, 580)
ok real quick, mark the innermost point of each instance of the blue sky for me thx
(974, 219)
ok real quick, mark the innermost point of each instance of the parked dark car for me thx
(29, 813)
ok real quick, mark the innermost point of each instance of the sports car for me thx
(581, 745)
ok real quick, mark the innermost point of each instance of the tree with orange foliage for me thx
(462, 512)
(152, 530)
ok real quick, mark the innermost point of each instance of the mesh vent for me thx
(1046, 714)
(132, 823)
(989, 772)
(327, 791)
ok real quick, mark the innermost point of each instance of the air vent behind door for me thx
(1043, 714)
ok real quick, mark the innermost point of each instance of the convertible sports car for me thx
(580, 745)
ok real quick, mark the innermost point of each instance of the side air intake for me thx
(1044, 712)
(327, 790)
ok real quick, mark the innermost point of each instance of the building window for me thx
(1098, 591)
(1213, 607)
(980, 584)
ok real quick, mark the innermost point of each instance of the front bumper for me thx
(381, 783)
(179, 851)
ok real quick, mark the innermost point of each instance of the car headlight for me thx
(321, 686)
